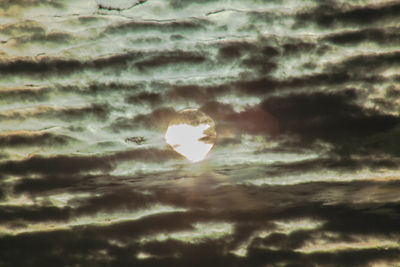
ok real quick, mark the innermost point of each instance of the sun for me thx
(191, 134)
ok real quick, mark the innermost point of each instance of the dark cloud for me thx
(6, 5)
(122, 124)
(45, 252)
(178, 4)
(157, 119)
(102, 4)
(301, 106)
(25, 94)
(162, 27)
(87, 20)
(260, 63)
(75, 245)
(45, 39)
(196, 93)
(28, 139)
(117, 61)
(47, 65)
(33, 214)
(174, 26)
(365, 222)
(144, 155)
(234, 50)
(170, 58)
(298, 46)
(374, 62)
(353, 256)
(357, 214)
(53, 165)
(23, 27)
(257, 55)
(258, 16)
(332, 117)
(327, 112)
(329, 14)
(97, 111)
(287, 241)
(259, 256)
(100, 111)
(274, 248)
(392, 92)
(347, 164)
(338, 164)
(257, 86)
(144, 98)
(77, 164)
(377, 35)
(52, 183)
(265, 85)
(119, 199)
(254, 121)
(228, 141)
(42, 66)
(96, 88)
(384, 104)
(319, 79)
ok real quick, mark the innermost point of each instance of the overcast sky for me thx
(305, 96)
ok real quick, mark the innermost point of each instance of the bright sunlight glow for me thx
(185, 139)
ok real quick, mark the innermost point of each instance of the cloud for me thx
(210, 201)
(234, 50)
(144, 98)
(56, 164)
(173, 27)
(98, 88)
(33, 214)
(44, 39)
(297, 46)
(328, 15)
(170, 58)
(373, 62)
(256, 55)
(77, 164)
(45, 65)
(179, 4)
(25, 94)
(157, 119)
(386, 36)
(196, 93)
(331, 117)
(23, 27)
(265, 85)
(254, 121)
(25, 4)
(41, 66)
(298, 96)
(33, 139)
(52, 183)
(102, 4)
(118, 199)
(98, 111)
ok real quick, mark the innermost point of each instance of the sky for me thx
(305, 98)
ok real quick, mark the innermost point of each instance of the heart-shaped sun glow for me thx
(191, 134)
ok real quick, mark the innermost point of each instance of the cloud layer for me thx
(304, 171)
